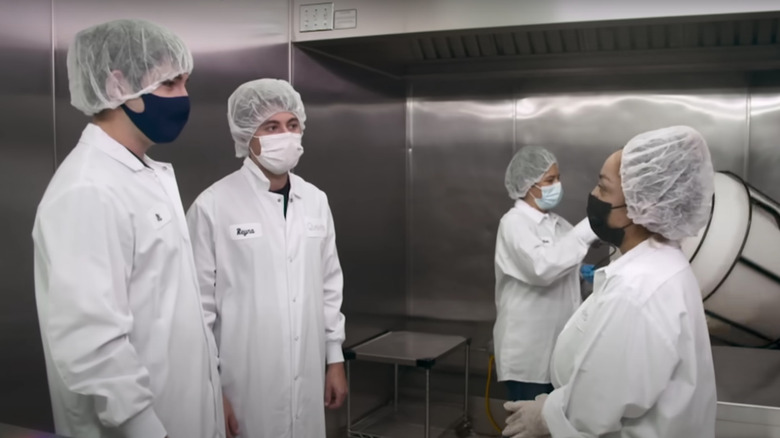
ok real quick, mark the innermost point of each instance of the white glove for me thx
(526, 419)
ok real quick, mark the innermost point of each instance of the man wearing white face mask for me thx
(270, 277)
(537, 284)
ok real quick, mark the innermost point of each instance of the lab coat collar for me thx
(264, 183)
(95, 136)
(638, 251)
(534, 214)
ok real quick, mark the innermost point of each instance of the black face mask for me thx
(598, 216)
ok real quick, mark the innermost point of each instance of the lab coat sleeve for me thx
(333, 285)
(200, 221)
(621, 369)
(521, 254)
(85, 246)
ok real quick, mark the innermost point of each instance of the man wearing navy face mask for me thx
(537, 284)
(127, 349)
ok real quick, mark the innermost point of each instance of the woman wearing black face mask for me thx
(635, 359)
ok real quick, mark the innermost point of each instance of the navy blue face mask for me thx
(163, 118)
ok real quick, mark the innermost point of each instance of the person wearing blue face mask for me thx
(537, 257)
(127, 350)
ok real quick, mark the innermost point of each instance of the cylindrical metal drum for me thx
(736, 259)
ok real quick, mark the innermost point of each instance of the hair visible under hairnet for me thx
(527, 167)
(144, 53)
(255, 102)
(668, 181)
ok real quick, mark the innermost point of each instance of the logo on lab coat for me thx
(159, 215)
(315, 227)
(245, 231)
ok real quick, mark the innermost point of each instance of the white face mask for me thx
(279, 152)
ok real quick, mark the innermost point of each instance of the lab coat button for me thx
(297, 338)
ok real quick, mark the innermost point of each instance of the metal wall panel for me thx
(460, 145)
(354, 151)
(462, 142)
(764, 156)
(232, 42)
(27, 163)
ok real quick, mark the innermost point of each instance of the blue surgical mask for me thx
(163, 118)
(551, 196)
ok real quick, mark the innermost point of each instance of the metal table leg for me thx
(349, 402)
(395, 390)
(427, 403)
(466, 390)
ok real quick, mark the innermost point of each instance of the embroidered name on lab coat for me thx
(158, 215)
(315, 227)
(245, 231)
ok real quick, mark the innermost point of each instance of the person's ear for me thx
(116, 85)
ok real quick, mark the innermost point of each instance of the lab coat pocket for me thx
(315, 227)
(245, 231)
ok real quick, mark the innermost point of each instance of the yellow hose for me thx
(487, 393)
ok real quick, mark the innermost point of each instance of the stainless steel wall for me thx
(26, 164)
(354, 151)
(764, 152)
(459, 143)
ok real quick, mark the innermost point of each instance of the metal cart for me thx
(410, 349)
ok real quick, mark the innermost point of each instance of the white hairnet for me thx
(255, 102)
(668, 181)
(114, 62)
(527, 167)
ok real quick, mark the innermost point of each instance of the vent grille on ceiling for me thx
(761, 32)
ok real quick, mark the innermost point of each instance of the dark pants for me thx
(526, 391)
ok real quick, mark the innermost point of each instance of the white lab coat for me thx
(272, 291)
(635, 359)
(537, 288)
(128, 353)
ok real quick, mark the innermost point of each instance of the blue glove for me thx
(586, 271)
